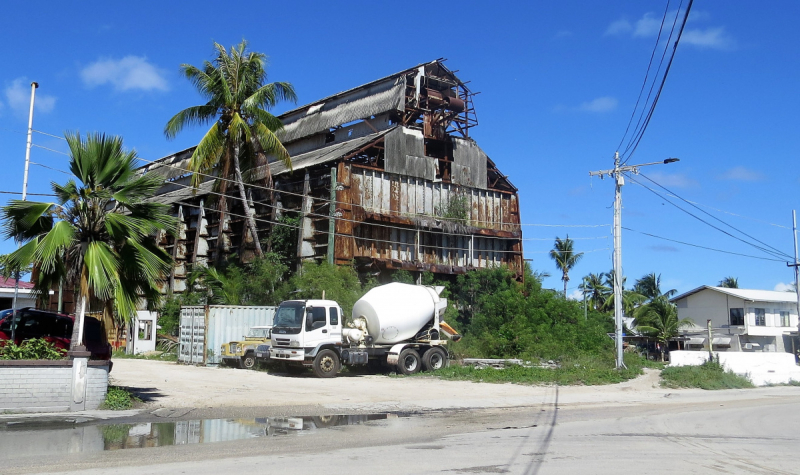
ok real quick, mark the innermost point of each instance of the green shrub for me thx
(709, 375)
(578, 370)
(33, 349)
(119, 399)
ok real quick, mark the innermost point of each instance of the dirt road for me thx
(178, 386)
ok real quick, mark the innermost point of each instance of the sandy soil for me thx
(171, 385)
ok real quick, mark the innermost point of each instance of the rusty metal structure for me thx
(384, 176)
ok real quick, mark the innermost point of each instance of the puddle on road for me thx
(21, 440)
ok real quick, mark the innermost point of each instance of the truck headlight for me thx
(294, 344)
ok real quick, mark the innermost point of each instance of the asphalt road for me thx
(743, 431)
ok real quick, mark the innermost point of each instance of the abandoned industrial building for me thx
(384, 176)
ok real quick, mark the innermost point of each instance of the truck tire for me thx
(409, 362)
(433, 359)
(326, 364)
(248, 361)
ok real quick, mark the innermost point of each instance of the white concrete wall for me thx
(708, 304)
(761, 368)
(48, 388)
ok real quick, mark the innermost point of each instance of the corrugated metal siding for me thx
(225, 323)
(391, 194)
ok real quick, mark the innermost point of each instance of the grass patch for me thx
(709, 375)
(119, 399)
(171, 356)
(582, 370)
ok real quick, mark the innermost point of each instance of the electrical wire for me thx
(29, 194)
(712, 216)
(702, 247)
(300, 195)
(646, 75)
(627, 156)
(775, 253)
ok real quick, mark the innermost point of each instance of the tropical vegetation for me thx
(98, 235)
(729, 282)
(658, 319)
(243, 133)
(565, 258)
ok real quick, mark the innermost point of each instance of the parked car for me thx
(243, 353)
(55, 328)
(262, 354)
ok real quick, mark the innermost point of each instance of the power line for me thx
(50, 168)
(663, 79)
(646, 75)
(31, 194)
(712, 216)
(50, 149)
(775, 253)
(300, 195)
(703, 247)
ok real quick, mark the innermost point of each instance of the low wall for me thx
(47, 386)
(762, 368)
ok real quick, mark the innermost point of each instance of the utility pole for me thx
(617, 174)
(796, 265)
(34, 86)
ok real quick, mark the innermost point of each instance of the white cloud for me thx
(601, 104)
(715, 38)
(675, 180)
(18, 97)
(781, 287)
(742, 174)
(128, 73)
(619, 27)
(649, 25)
(575, 295)
(563, 34)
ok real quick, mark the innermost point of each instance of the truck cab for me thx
(306, 332)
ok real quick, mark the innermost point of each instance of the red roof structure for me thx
(9, 284)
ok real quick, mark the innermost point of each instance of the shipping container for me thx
(205, 329)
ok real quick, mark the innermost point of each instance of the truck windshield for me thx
(289, 318)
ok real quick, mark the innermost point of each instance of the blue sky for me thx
(558, 82)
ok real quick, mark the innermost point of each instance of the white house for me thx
(742, 319)
(25, 296)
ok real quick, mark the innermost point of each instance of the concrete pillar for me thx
(80, 367)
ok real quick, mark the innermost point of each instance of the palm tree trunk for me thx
(80, 314)
(251, 222)
(223, 208)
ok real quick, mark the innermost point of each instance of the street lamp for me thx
(617, 173)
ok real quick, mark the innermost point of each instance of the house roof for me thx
(745, 294)
(9, 284)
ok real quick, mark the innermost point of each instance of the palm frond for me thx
(195, 115)
(23, 220)
(207, 153)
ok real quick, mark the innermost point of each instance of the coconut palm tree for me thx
(659, 319)
(243, 132)
(597, 292)
(729, 282)
(650, 286)
(565, 258)
(99, 234)
(630, 298)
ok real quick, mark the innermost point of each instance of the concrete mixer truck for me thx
(398, 325)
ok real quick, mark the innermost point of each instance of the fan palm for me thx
(99, 234)
(565, 258)
(729, 282)
(659, 319)
(243, 132)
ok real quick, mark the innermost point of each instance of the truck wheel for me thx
(409, 362)
(433, 359)
(248, 361)
(326, 364)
